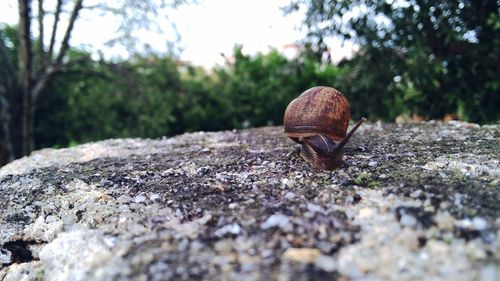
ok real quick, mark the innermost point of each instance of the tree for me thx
(39, 61)
(416, 56)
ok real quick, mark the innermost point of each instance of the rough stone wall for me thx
(410, 202)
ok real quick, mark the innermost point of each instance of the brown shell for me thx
(318, 110)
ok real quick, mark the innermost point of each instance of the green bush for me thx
(156, 96)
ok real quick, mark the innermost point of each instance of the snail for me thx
(318, 120)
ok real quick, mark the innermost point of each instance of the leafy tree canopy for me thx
(416, 56)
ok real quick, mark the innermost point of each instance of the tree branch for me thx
(57, 65)
(67, 35)
(50, 53)
(51, 72)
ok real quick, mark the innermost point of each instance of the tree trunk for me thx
(25, 75)
(6, 153)
(9, 84)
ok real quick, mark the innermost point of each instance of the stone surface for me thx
(410, 202)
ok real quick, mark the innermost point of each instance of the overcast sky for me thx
(207, 29)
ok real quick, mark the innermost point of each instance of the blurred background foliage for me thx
(422, 58)
(153, 96)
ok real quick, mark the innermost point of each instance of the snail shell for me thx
(318, 110)
(318, 119)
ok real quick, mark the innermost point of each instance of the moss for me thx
(89, 169)
(364, 179)
(40, 275)
(373, 183)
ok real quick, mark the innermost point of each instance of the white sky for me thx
(207, 29)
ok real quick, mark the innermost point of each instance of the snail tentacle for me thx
(349, 135)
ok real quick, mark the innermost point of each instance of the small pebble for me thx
(416, 193)
(476, 223)
(444, 221)
(408, 220)
(278, 220)
(290, 195)
(228, 229)
(154, 197)
(314, 208)
(124, 199)
(479, 223)
(287, 182)
(325, 263)
(5, 257)
(490, 273)
(51, 218)
(140, 198)
(301, 255)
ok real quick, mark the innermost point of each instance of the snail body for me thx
(318, 119)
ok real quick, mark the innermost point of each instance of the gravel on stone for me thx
(410, 202)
